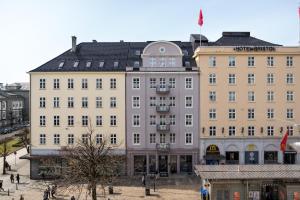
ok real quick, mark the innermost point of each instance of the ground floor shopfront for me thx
(247, 151)
(163, 162)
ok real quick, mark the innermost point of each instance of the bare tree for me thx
(24, 138)
(89, 164)
(4, 153)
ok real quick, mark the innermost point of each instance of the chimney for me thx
(73, 44)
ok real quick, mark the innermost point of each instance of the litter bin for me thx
(147, 191)
(110, 189)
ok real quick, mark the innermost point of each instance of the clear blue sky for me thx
(33, 31)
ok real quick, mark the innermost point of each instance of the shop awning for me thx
(229, 172)
(295, 146)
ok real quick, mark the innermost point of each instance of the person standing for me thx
(72, 198)
(12, 178)
(18, 178)
(1, 185)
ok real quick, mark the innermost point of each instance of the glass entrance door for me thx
(163, 164)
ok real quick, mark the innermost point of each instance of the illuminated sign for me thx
(212, 149)
(258, 48)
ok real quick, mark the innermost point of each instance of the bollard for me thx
(8, 192)
(16, 186)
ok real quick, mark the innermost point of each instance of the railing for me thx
(163, 147)
(162, 108)
(163, 128)
(163, 89)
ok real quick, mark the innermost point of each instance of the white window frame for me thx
(136, 138)
(136, 101)
(136, 83)
(138, 117)
(191, 100)
(188, 83)
(191, 138)
(186, 120)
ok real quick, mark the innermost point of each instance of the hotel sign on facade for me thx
(255, 49)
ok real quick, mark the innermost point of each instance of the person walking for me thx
(48, 192)
(12, 178)
(18, 178)
(45, 195)
(1, 185)
(72, 198)
(21, 197)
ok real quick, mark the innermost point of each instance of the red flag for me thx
(283, 141)
(200, 19)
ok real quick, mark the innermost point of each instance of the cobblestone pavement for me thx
(176, 188)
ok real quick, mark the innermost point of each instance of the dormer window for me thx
(88, 63)
(101, 64)
(185, 52)
(116, 64)
(61, 64)
(187, 63)
(76, 63)
(137, 52)
(136, 63)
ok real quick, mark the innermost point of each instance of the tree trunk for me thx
(94, 192)
(4, 156)
(4, 159)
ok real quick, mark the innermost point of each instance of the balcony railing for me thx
(163, 89)
(163, 147)
(162, 108)
(163, 128)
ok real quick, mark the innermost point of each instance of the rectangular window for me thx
(135, 83)
(113, 138)
(188, 120)
(70, 139)
(56, 139)
(56, 102)
(42, 102)
(99, 83)
(172, 101)
(231, 96)
(231, 130)
(84, 138)
(116, 64)
(84, 102)
(189, 102)
(289, 61)
(113, 102)
(136, 138)
(251, 131)
(84, 83)
(289, 113)
(212, 61)
(231, 79)
(152, 120)
(70, 102)
(152, 82)
(250, 61)
(70, 120)
(162, 138)
(172, 138)
(251, 96)
(56, 120)
(152, 138)
(251, 113)
(270, 130)
(99, 121)
(290, 130)
(212, 131)
(212, 113)
(270, 78)
(136, 102)
(42, 120)
(56, 83)
(76, 63)
(113, 120)
(42, 83)
(289, 96)
(251, 79)
(270, 113)
(270, 61)
(231, 61)
(42, 138)
(84, 120)
(172, 119)
(99, 138)
(270, 96)
(70, 83)
(231, 113)
(98, 102)
(188, 138)
(212, 79)
(136, 120)
(212, 96)
(101, 64)
(189, 83)
(152, 101)
(113, 83)
(172, 82)
(289, 78)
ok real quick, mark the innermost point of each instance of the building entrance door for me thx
(163, 165)
(270, 192)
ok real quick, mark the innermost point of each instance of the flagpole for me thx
(200, 37)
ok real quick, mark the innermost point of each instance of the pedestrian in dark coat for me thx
(18, 178)
(12, 178)
(72, 198)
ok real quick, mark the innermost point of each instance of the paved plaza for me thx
(182, 187)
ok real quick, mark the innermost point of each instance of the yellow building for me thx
(79, 89)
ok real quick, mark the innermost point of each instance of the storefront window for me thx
(271, 157)
(186, 163)
(290, 157)
(139, 164)
(251, 157)
(152, 163)
(212, 156)
(173, 164)
(232, 157)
